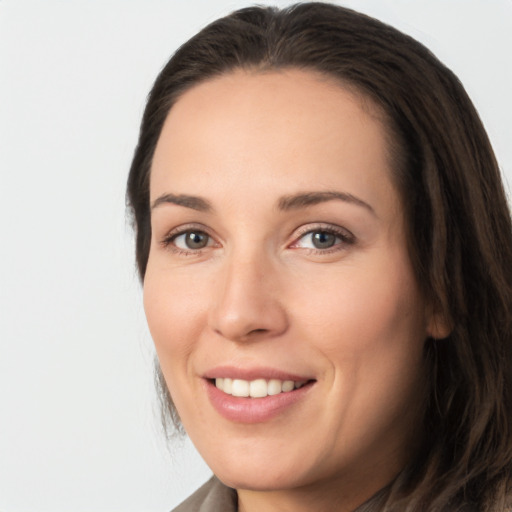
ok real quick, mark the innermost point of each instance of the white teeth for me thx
(288, 385)
(240, 388)
(258, 388)
(274, 387)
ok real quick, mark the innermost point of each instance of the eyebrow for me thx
(285, 203)
(193, 202)
(303, 200)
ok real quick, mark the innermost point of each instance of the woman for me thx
(325, 247)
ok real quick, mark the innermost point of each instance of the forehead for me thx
(263, 96)
(266, 130)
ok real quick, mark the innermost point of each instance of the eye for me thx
(188, 240)
(324, 239)
(191, 240)
(318, 240)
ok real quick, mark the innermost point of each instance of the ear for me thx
(439, 325)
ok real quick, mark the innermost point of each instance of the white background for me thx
(78, 431)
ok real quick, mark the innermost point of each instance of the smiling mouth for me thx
(258, 388)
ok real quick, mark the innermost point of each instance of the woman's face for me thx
(279, 254)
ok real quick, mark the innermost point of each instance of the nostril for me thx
(256, 331)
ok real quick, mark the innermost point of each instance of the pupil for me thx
(196, 240)
(323, 240)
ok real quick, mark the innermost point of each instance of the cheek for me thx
(371, 330)
(362, 310)
(370, 326)
(173, 308)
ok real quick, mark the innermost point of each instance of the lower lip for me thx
(253, 410)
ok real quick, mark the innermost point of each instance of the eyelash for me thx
(346, 237)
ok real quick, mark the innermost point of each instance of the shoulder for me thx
(213, 496)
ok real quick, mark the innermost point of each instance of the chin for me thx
(265, 471)
(261, 481)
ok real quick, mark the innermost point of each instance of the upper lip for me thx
(253, 373)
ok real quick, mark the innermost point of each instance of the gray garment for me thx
(213, 496)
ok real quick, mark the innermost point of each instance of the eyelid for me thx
(322, 226)
(183, 228)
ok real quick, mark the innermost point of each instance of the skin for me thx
(261, 294)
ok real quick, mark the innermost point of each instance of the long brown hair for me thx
(459, 228)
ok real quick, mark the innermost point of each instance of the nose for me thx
(247, 305)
